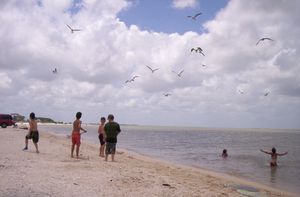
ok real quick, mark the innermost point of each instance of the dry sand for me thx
(53, 173)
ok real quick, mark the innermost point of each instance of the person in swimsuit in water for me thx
(224, 153)
(273, 162)
(76, 135)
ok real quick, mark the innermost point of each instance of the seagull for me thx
(178, 74)
(72, 30)
(195, 16)
(198, 50)
(203, 65)
(132, 79)
(152, 70)
(54, 71)
(266, 94)
(262, 39)
(241, 91)
(167, 94)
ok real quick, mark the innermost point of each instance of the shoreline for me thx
(199, 129)
(208, 172)
(132, 174)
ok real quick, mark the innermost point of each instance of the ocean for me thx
(202, 148)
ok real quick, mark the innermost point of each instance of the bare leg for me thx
(72, 150)
(113, 157)
(102, 150)
(77, 151)
(106, 156)
(36, 147)
(26, 144)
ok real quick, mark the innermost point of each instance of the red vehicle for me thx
(6, 120)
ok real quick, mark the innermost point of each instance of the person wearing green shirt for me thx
(111, 129)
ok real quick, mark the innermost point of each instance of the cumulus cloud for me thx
(94, 64)
(181, 4)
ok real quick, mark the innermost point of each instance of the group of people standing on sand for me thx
(108, 133)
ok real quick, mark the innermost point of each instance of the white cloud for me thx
(181, 4)
(5, 81)
(94, 63)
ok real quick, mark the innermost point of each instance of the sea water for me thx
(202, 148)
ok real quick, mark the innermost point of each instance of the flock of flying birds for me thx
(179, 74)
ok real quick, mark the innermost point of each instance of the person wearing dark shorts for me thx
(32, 133)
(101, 136)
(112, 130)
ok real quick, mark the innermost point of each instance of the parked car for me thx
(6, 120)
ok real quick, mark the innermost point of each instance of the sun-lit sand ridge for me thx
(54, 173)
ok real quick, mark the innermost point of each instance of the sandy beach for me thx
(53, 173)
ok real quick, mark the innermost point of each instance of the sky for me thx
(225, 87)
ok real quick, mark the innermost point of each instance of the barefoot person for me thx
(273, 162)
(101, 136)
(32, 133)
(111, 129)
(76, 135)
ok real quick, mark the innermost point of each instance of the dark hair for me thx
(32, 115)
(273, 150)
(224, 151)
(78, 115)
(102, 119)
(110, 117)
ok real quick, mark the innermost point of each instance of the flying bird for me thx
(152, 70)
(72, 30)
(178, 74)
(195, 16)
(132, 79)
(267, 93)
(198, 50)
(241, 91)
(263, 39)
(167, 94)
(54, 71)
(203, 65)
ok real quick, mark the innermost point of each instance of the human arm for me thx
(79, 126)
(118, 129)
(99, 129)
(265, 152)
(30, 127)
(282, 154)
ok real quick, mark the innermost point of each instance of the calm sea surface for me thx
(202, 148)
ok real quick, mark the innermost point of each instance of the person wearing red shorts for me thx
(76, 135)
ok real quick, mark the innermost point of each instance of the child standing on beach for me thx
(111, 129)
(273, 162)
(101, 136)
(76, 135)
(32, 133)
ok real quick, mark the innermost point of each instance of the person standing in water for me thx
(76, 135)
(224, 153)
(274, 154)
(32, 133)
(101, 136)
